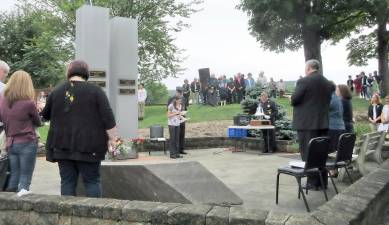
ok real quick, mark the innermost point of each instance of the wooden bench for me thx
(369, 147)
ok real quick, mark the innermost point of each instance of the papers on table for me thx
(297, 164)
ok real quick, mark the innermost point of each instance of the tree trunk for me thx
(382, 49)
(312, 45)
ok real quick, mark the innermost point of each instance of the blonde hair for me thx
(19, 87)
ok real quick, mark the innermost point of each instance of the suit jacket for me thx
(311, 102)
(270, 109)
(379, 111)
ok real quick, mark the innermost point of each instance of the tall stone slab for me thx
(110, 47)
(124, 74)
(92, 42)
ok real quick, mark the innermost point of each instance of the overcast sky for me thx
(219, 39)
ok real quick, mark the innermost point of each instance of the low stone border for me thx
(363, 203)
(222, 142)
(210, 142)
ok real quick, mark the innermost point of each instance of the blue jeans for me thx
(69, 171)
(22, 158)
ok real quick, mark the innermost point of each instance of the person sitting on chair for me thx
(270, 111)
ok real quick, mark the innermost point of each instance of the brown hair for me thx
(175, 102)
(78, 68)
(344, 91)
(378, 99)
(19, 87)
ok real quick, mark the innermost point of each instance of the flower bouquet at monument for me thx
(137, 143)
(122, 150)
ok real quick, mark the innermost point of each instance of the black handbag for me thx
(4, 172)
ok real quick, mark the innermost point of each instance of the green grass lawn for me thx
(196, 113)
(200, 113)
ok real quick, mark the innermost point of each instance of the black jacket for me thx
(311, 102)
(270, 109)
(379, 111)
(78, 130)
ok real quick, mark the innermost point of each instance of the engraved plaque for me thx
(96, 74)
(123, 82)
(123, 91)
(98, 83)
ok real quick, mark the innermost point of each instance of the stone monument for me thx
(110, 47)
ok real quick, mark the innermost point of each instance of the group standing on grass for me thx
(78, 112)
(223, 90)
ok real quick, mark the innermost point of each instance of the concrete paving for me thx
(251, 176)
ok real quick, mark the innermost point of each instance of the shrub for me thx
(284, 129)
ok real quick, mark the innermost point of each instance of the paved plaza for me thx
(251, 176)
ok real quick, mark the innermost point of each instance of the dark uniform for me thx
(270, 109)
(186, 95)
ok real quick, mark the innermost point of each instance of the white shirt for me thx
(142, 95)
(174, 120)
(281, 86)
(374, 112)
(2, 87)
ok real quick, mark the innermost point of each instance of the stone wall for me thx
(363, 203)
(222, 142)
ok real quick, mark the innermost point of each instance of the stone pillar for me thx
(124, 74)
(92, 42)
(110, 47)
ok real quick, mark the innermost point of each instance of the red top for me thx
(19, 121)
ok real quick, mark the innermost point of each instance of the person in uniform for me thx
(186, 94)
(270, 111)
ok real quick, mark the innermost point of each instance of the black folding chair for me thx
(156, 136)
(343, 156)
(317, 154)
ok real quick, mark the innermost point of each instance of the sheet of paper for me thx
(297, 164)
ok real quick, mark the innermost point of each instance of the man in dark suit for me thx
(311, 101)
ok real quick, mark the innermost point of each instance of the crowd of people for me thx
(364, 86)
(223, 90)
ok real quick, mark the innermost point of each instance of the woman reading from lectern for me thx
(81, 125)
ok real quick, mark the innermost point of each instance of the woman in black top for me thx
(346, 97)
(81, 125)
(374, 112)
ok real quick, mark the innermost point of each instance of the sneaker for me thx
(23, 192)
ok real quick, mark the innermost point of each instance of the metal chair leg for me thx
(164, 147)
(333, 183)
(348, 174)
(277, 186)
(322, 186)
(302, 193)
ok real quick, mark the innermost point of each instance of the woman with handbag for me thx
(19, 114)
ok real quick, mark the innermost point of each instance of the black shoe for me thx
(175, 156)
(183, 152)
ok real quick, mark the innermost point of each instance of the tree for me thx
(157, 93)
(374, 44)
(32, 41)
(279, 25)
(158, 21)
